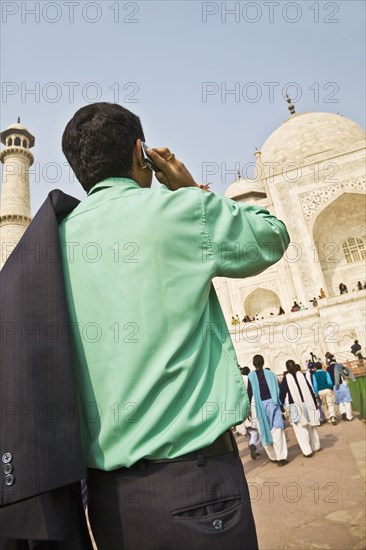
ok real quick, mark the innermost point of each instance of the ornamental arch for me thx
(262, 302)
(338, 230)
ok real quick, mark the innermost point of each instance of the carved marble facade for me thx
(311, 172)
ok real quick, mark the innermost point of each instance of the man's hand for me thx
(172, 172)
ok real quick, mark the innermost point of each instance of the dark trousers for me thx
(200, 504)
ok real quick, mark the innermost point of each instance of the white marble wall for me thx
(320, 195)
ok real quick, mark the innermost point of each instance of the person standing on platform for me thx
(264, 395)
(357, 350)
(342, 288)
(302, 408)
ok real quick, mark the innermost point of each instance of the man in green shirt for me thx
(156, 370)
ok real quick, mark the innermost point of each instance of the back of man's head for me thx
(258, 361)
(290, 366)
(98, 142)
(245, 371)
(318, 366)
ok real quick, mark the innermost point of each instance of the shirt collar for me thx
(113, 182)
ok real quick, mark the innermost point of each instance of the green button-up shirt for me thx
(156, 369)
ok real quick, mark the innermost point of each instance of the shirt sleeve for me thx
(283, 390)
(249, 391)
(315, 385)
(242, 239)
(329, 380)
(349, 372)
(331, 372)
(311, 390)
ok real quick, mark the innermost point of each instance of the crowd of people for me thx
(344, 290)
(306, 399)
(314, 302)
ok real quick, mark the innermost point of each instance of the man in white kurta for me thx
(296, 395)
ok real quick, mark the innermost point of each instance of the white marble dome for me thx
(305, 135)
(243, 186)
(16, 126)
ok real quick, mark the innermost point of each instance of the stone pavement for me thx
(311, 503)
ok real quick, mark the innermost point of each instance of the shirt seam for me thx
(205, 226)
(110, 182)
(71, 216)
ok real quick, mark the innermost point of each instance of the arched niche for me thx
(261, 302)
(279, 362)
(343, 219)
(346, 340)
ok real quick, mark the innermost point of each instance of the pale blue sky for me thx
(162, 61)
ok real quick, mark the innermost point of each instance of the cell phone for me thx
(146, 159)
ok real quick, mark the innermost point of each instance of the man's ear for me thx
(139, 171)
(137, 154)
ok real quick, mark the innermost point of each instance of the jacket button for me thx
(7, 457)
(8, 468)
(9, 480)
(218, 525)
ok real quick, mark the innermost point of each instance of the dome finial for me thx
(18, 120)
(291, 108)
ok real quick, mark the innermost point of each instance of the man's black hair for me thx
(318, 366)
(245, 371)
(98, 142)
(291, 366)
(290, 363)
(258, 361)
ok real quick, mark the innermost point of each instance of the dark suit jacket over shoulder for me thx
(40, 444)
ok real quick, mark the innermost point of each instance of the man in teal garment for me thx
(263, 392)
(157, 374)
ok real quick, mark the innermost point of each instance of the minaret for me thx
(15, 215)
(261, 176)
